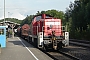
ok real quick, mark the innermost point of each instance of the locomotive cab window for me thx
(1, 31)
(38, 18)
(47, 16)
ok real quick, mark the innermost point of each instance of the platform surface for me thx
(18, 49)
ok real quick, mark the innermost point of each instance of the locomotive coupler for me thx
(54, 40)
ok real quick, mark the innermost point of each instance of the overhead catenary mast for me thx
(4, 12)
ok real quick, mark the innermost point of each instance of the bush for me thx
(0, 45)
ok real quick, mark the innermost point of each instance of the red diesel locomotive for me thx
(47, 32)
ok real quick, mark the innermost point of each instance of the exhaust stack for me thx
(43, 16)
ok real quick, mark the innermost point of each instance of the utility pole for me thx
(8, 14)
(4, 13)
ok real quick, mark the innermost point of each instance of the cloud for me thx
(18, 16)
(30, 7)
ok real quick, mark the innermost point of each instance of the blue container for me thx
(3, 36)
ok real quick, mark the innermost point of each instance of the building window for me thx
(1, 31)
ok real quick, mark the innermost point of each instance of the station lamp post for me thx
(8, 15)
(4, 12)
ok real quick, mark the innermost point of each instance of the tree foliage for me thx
(79, 13)
(12, 20)
(27, 20)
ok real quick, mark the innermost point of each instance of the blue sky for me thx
(28, 7)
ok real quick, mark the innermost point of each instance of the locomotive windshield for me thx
(40, 17)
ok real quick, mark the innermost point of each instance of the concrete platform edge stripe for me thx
(28, 49)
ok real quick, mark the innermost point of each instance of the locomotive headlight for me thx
(64, 41)
(46, 42)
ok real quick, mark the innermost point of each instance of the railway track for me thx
(82, 43)
(73, 52)
(57, 55)
(60, 55)
(79, 52)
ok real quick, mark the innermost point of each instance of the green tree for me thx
(27, 20)
(79, 13)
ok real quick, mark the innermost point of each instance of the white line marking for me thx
(28, 50)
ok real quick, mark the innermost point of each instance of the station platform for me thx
(19, 49)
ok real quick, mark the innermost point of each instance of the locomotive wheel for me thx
(59, 46)
(44, 48)
(28, 38)
(35, 42)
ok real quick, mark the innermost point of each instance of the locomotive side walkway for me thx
(18, 49)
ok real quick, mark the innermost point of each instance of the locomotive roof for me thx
(26, 26)
(41, 15)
